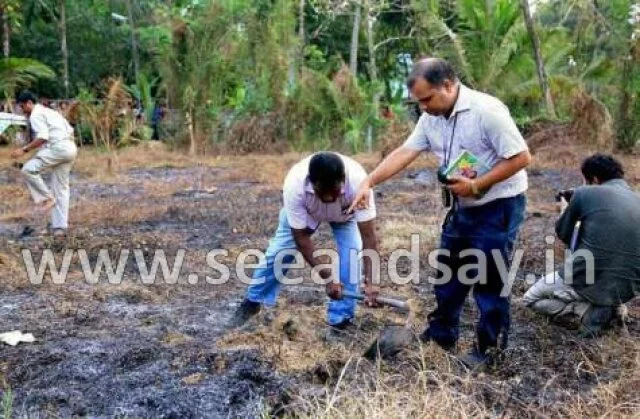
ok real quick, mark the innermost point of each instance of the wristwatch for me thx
(474, 189)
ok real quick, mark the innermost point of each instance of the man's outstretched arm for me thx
(400, 158)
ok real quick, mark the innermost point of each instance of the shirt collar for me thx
(621, 183)
(308, 187)
(37, 108)
(463, 103)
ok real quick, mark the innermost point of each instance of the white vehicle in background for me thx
(8, 120)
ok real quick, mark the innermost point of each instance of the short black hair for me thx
(326, 170)
(26, 96)
(433, 70)
(602, 166)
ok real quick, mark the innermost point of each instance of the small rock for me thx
(290, 329)
(193, 379)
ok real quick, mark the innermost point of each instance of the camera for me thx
(442, 177)
(567, 194)
(447, 196)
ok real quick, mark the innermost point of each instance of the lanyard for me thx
(447, 152)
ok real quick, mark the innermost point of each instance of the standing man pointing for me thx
(53, 138)
(485, 212)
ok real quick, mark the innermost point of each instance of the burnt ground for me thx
(164, 350)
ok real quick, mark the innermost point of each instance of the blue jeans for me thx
(488, 227)
(265, 286)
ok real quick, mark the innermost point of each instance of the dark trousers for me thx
(488, 227)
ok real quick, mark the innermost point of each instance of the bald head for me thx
(433, 70)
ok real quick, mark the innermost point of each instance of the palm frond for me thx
(510, 44)
(436, 27)
(21, 72)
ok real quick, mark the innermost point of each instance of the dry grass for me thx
(429, 383)
(112, 213)
(290, 352)
(294, 340)
(395, 232)
(93, 163)
(413, 389)
(11, 271)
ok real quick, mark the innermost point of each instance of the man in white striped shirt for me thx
(316, 190)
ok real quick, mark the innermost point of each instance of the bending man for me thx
(318, 189)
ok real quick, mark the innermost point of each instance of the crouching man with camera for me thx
(601, 226)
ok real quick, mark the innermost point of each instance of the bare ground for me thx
(164, 350)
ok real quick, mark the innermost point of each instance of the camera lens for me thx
(442, 177)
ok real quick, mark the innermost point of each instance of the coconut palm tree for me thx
(490, 46)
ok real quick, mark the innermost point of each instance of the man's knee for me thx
(530, 297)
(548, 307)
(541, 290)
(30, 168)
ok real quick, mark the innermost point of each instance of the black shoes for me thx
(245, 311)
(596, 320)
(447, 346)
(334, 333)
(475, 360)
(343, 325)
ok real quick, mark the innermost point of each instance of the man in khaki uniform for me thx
(53, 138)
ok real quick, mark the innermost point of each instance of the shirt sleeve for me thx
(569, 218)
(502, 133)
(39, 126)
(293, 195)
(356, 175)
(418, 140)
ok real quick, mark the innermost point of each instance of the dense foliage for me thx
(259, 74)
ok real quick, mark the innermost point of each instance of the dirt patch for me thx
(130, 358)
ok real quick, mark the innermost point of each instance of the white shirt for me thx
(485, 128)
(49, 125)
(304, 209)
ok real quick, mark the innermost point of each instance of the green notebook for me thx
(467, 165)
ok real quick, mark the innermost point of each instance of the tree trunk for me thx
(373, 71)
(297, 54)
(134, 41)
(301, 33)
(626, 119)
(192, 134)
(373, 67)
(6, 40)
(62, 27)
(355, 33)
(542, 75)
